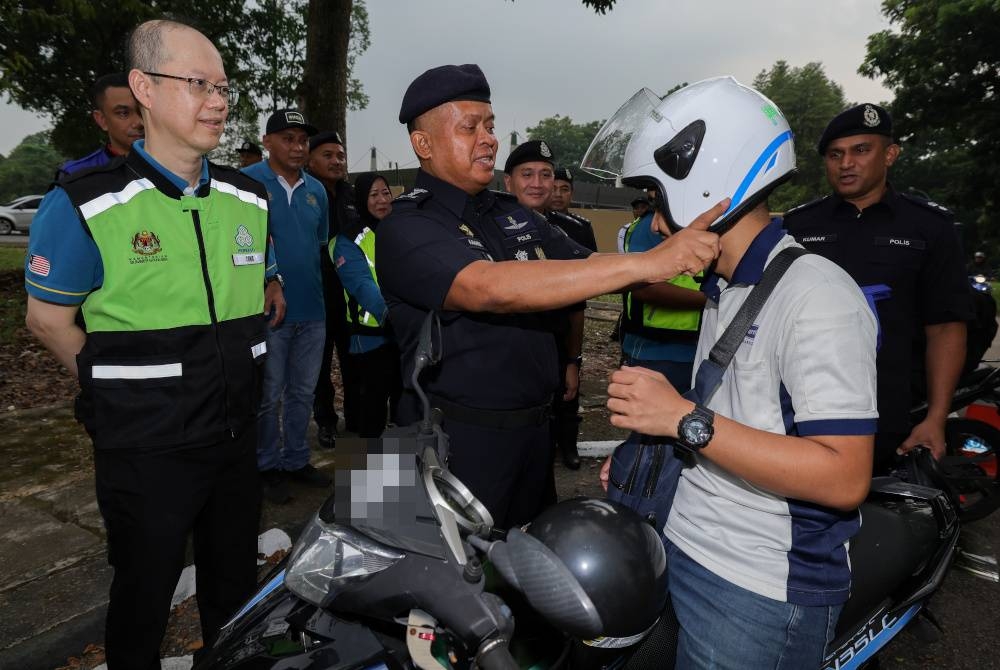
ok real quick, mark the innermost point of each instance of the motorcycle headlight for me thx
(328, 555)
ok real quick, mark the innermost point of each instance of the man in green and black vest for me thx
(167, 256)
(660, 321)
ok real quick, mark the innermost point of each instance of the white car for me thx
(18, 213)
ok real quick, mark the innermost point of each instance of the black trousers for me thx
(507, 470)
(379, 388)
(151, 502)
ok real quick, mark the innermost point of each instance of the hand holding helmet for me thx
(688, 251)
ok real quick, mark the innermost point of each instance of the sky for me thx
(548, 57)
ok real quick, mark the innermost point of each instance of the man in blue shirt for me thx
(298, 206)
(117, 113)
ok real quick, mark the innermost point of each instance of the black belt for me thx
(503, 419)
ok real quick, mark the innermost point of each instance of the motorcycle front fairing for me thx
(361, 615)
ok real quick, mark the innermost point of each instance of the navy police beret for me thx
(866, 119)
(249, 147)
(564, 174)
(443, 84)
(527, 152)
(325, 137)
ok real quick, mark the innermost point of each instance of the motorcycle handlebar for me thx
(494, 654)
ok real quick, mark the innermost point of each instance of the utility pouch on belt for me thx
(644, 468)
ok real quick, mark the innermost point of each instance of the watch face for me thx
(696, 431)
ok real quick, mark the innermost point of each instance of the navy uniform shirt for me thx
(578, 228)
(489, 361)
(909, 245)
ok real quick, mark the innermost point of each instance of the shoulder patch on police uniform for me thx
(927, 204)
(417, 196)
(807, 205)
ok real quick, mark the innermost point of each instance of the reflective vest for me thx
(176, 332)
(661, 324)
(362, 322)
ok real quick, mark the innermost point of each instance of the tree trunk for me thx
(324, 88)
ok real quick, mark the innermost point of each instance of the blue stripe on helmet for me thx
(767, 154)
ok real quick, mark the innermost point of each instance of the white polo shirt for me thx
(806, 367)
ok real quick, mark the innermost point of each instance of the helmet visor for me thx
(606, 154)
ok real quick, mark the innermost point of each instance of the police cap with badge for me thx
(249, 147)
(563, 174)
(447, 83)
(325, 137)
(528, 152)
(866, 119)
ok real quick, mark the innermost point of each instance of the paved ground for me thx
(54, 575)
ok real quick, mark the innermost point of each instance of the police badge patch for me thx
(871, 116)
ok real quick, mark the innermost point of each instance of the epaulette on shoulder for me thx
(582, 219)
(808, 205)
(504, 195)
(572, 220)
(927, 204)
(417, 196)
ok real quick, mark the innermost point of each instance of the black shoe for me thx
(274, 487)
(570, 457)
(310, 476)
(326, 437)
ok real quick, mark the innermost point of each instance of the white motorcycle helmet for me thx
(711, 140)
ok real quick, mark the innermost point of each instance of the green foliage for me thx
(809, 99)
(273, 42)
(569, 141)
(941, 58)
(361, 39)
(29, 168)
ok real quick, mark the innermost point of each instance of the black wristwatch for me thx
(577, 360)
(275, 277)
(695, 430)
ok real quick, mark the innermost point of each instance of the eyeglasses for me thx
(203, 88)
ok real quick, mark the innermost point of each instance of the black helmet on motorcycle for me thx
(617, 558)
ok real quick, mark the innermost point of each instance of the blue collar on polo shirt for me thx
(751, 267)
(139, 146)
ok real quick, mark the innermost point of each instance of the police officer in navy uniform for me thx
(903, 252)
(480, 259)
(562, 198)
(529, 174)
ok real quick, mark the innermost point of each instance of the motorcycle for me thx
(415, 576)
(968, 472)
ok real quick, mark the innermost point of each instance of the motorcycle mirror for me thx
(548, 584)
(428, 353)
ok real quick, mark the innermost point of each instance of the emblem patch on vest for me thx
(245, 253)
(243, 237)
(146, 243)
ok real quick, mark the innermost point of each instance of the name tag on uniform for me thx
(900, 242)
(822, 237)
(248, 259)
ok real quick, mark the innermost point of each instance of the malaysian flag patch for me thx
(39, 265)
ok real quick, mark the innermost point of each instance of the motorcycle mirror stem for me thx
(424, 357)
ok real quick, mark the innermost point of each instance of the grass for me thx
(12, 296)
(11, 258)
(610, 297)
